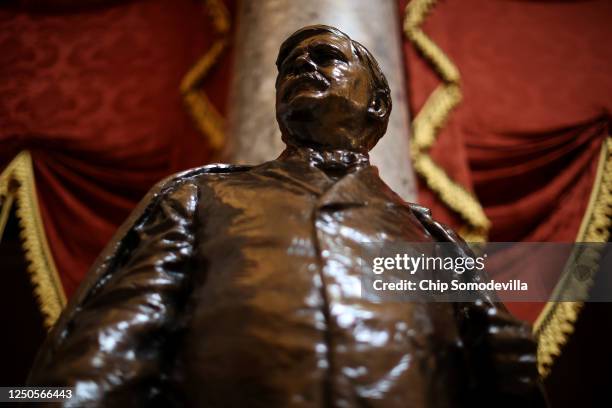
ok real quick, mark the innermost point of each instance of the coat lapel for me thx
(361, 188)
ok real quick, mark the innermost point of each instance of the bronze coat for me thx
(237, 286)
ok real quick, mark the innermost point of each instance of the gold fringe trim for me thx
(432, 118)
(17, 182)
(556, 321)
(206, 117)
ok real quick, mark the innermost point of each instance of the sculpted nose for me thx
(303, 64)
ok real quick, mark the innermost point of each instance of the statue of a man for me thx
(233, 286)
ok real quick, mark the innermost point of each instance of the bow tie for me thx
(335, 160)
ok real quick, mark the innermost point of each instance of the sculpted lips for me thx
(304, 82)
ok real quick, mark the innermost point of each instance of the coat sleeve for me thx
(110, 343)
(500, 349)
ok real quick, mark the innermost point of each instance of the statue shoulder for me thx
(179, 190)
(439, 231)
(192, 175)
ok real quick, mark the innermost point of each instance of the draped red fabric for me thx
(537, 98)
(93, 94)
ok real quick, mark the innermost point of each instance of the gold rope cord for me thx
(207, 119)
(556, 321)
(17, 185)
(431, 118)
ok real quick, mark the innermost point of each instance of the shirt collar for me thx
(337, 160)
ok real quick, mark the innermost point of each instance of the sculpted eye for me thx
(324, 54)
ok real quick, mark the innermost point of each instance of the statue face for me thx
(323, 95)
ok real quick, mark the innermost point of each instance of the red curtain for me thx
(537, 98)
(93, 93)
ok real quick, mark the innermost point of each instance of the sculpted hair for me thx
(381, 86)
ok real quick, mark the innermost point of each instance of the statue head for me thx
(330, 91)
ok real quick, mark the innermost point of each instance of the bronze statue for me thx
(227, 286)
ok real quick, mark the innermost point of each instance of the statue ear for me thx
(379, 106)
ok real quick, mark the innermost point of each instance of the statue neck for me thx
(332, 161)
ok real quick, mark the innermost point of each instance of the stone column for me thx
(262, 26)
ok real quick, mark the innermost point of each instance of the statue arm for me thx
(109, 342)
(500, 349)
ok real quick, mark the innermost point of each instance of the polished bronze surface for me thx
(238, 286)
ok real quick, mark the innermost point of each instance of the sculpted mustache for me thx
(310, 76)
(293, 85)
